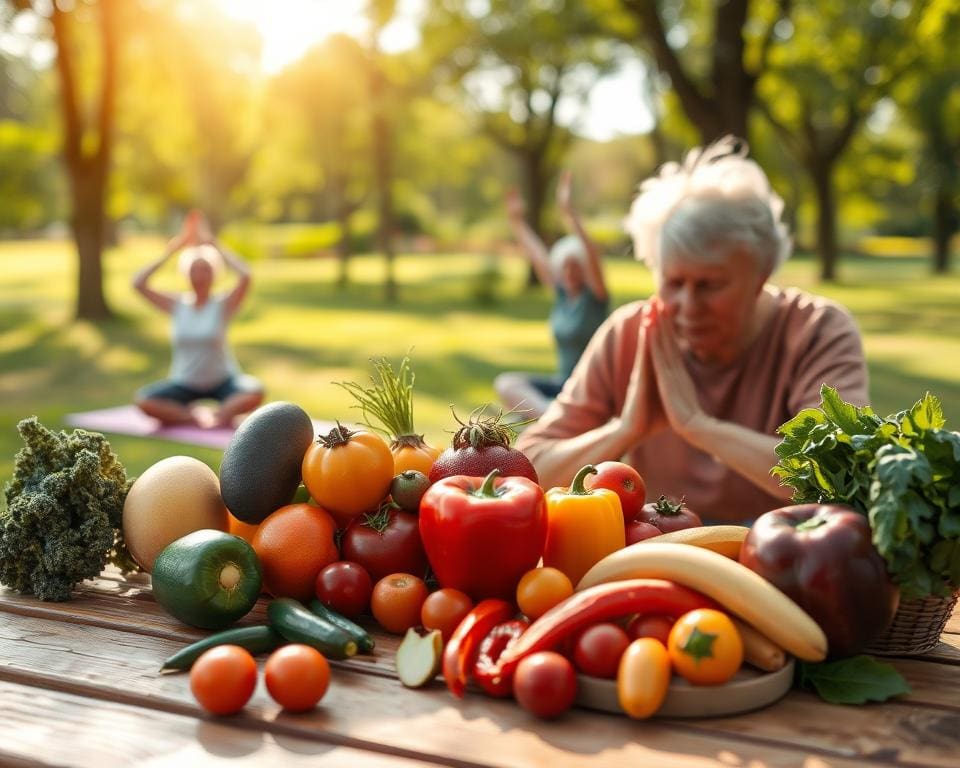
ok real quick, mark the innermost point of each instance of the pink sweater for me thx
(807, 341)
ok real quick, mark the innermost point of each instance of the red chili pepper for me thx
(482, 534)
(461, 649)
(485, 672)
(599, 603)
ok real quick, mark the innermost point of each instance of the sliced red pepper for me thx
(485, 672)
(599, 603)
(461, 649)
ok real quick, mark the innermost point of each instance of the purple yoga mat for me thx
(130, 420)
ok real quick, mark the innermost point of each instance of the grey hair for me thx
(567, 247)
(713, 203)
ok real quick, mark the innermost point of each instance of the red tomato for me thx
(545, 684)
(637, 530)
(624, 481)
(650, 625)
(297, 676)
(345, 587)
(444, 610)
(669, 516)
(385, 542)
(222, 679)
(396, 602)
(598, 649)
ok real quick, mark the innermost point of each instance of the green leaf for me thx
(699, 645)
(927, 413)
(842, 414)
(855, 680)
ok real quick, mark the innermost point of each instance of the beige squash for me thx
(174, 497)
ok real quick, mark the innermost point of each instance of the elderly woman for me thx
(690, 385)
(202, 366)
(573, 270)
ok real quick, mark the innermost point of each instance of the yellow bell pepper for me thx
(583, 526)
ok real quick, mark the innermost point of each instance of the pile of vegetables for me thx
(63, 517)
(902, 472)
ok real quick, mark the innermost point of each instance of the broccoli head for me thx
(64, 509)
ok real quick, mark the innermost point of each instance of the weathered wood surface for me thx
(79, 685)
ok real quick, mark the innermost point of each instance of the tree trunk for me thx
(822, 172)
(944, 225)
(87, 223)
(535, 187)
(343, 244)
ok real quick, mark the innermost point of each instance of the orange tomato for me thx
(540, 589)
(223, 679)
(239, 528)
(297, 677)
(397, 600)
(643, 677)
(444, 610)
(410, 455)
(705, 647)
(348, 472)
(293, 545)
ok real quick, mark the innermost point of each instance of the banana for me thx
(725, 539)
(758, 650)
(734, 586)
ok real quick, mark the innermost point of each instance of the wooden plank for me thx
(42, 727)
(369, 712)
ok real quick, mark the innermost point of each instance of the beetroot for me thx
(480, 445)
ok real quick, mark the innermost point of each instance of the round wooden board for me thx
(749, 690)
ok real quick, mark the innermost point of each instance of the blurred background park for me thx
(356, 152)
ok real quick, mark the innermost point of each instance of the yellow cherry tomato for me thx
(705, 647)
(643, 677)
(540, 589)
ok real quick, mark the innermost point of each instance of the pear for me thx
(419, 657)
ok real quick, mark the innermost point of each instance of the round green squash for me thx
(207, 579)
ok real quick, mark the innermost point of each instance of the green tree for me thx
(822, 83)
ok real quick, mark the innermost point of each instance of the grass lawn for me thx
(300, 334)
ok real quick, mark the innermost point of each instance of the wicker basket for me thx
(916, 627)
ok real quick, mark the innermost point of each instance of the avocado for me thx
(260, 471)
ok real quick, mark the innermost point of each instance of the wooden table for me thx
(79, 686)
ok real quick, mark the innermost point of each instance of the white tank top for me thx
(201, 358)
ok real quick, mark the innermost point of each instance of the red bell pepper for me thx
(482, 534)
(485, 672)
(461, 649)
(600, 603)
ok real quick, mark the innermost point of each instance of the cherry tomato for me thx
(669, 516)
(597, 650)
(444, 610)
(223, 679)
(345, 587)
(643, 678)
(408, 488)
(297, 676)
(540, 589)
(637, 530)
(624, 481)
(545, 684)
(397, 600)
(385, 542)
(705, 647)
(650, 625)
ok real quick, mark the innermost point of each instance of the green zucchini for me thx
(298, 625)
(207, 579)
(258, 639)
(359, 634)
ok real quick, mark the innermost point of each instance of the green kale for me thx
(64, 511)
(902, 471)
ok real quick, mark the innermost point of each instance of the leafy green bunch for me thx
(902, 471)
(64, 512)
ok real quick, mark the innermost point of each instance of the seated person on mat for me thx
(573, 270)
(690, 385)
(202, 366)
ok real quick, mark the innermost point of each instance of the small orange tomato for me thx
(222, 679)
(705, 647)
(348, 472)
(540, 589)
(396, 602)
(444, 610)
(412, 452)
(643, 677)
(297, 677)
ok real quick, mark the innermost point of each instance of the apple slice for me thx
(418, 657)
